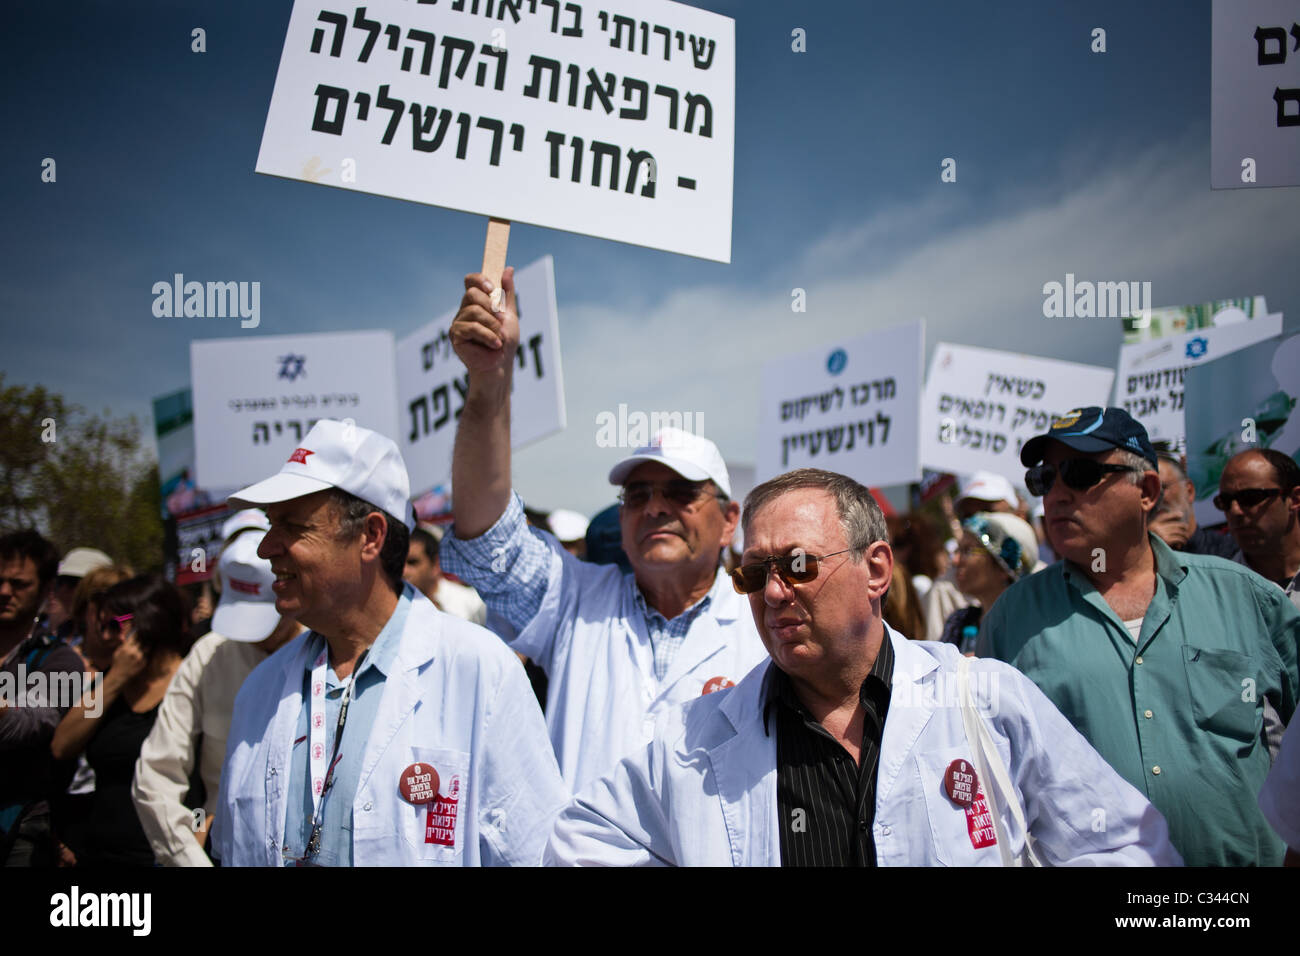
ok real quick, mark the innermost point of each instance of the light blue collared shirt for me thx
(336, 833)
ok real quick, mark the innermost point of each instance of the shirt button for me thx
(1138, 661)
(1147, 714)
(862, 825)
(366, 807)
(885, 831)
(1156, 770)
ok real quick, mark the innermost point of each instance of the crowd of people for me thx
(1100, 680)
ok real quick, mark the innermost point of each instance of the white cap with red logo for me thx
(246, 612)
(339, 455)
(693, 457)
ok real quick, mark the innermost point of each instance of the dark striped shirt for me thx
(827, 805)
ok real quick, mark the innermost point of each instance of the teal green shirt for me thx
(1179, 715)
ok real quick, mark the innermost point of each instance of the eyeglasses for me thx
(1247, 498)
(971, 550)
(798, 568)
(680, 492)
(1077, 473)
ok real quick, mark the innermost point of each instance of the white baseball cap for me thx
(246, 612)
(79, 562)
(339, 455)
(693, 457)
(242, 520)
(986, 486)
(567, 525)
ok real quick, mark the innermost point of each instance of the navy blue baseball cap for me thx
(1089, 430)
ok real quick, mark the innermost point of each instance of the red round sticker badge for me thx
(717, 683)
(418, 783)
(960, 782)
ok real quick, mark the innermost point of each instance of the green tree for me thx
(83, 480)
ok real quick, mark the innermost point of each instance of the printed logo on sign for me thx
(292, 366)
(836, 362)
(1197, 347)
(440, 824)
(300, 455)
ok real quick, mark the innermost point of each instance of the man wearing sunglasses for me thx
(1259, 494)
(1163, 660)
(850, 747)
(618, 649)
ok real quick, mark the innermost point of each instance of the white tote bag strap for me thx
(992, 773)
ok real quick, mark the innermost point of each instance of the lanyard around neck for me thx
(322, 773)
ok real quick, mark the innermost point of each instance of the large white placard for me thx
(612, 118)
(1255, 93)
(982, 405)
(1149, 385)
(850, 407)
(255, 398)
(432, 381)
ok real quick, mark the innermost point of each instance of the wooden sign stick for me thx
(494, 256)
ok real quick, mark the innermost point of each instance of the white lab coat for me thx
(591, 639)
(704, 792)
(456, 698)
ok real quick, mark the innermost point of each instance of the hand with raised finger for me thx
(486, 339)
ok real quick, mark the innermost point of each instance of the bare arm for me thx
(81, 721)
(486, 342)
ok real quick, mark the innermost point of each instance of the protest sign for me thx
(850, 407)
(614, 119)
(1241, 401)
(1254, 93)
(193, 542)
(255, 399)
(432, 381)
(1149, 385)
(982, 405)
(1175, 320)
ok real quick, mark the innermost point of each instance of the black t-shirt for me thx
(116, 837)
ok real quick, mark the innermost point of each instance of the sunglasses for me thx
(1247, 498)
(1077, 473)
(792, 569)
(115, 623)
(680, 492)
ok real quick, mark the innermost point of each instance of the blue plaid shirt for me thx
(508, 566)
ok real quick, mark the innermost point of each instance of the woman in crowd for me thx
(145, 623)
(996, 550)
(71, 810)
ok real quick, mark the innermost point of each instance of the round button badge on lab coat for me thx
(960, 782)
(717, 683)
(418, 783)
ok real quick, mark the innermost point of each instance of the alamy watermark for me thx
(212, 300)
(1097, 300)
(61, 689)
(624, 429)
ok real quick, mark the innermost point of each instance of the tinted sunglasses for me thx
(1247, 497)
(1077, 473)
(115, 623)
(792, 569)
(679, 492)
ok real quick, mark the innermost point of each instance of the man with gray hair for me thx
(618, 649)
(853, 746)
(1163, 660)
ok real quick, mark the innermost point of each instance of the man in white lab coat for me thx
(850, 746)
(390, 733)
(618, 649)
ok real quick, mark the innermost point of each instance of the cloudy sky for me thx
(1068, 161)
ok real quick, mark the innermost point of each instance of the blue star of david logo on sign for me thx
(836, 362)
(292, 366)
(1197, 347)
